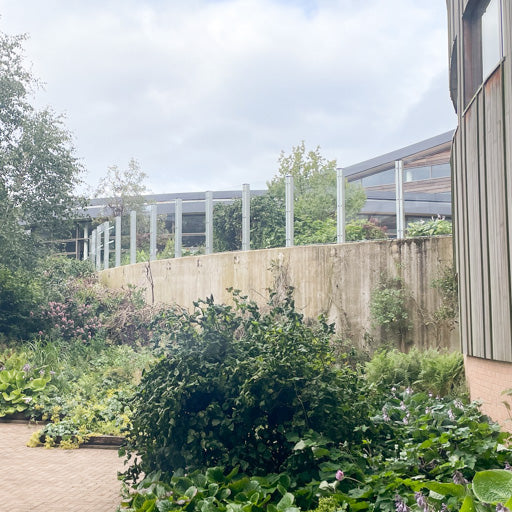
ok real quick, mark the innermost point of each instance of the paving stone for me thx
(41, 480)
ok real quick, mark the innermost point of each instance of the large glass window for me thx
(381, 178)
(491, 37)
(417, 173)
(441, 171)
(482, 43)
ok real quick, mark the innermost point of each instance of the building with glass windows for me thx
(480, 39)
(427, 181)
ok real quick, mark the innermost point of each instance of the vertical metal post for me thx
(118, 242)
(152, 233)
(93, 246)
(86, 242)
(98, 246)
(400, 214)
(106, 245)
(178, 227)
(289, 209)
(209, 222)
(133, 237)
(246, 217)
(340, 206)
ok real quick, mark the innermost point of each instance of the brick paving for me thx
(41, 480)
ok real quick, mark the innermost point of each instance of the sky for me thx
(205, 94)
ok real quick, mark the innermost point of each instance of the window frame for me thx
(472, 49)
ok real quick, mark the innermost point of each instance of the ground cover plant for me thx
(80, 361)
(251, 409)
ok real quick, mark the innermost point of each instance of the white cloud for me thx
(205, 94)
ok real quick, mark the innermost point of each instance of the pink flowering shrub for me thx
(70, 320)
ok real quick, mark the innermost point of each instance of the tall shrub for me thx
(240, 387)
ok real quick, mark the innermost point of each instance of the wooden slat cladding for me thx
(497, 221)
(482, 191)
(474, 270)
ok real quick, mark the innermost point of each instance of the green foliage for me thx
(20, 384)
(38, 169)
(241, 387)
(267, 224)
(435, 226)
(358, 229)
(314, 205)
(416, 441)
(388, 308)
(20, 296)
(439, 373)
(77, 306)
(213, 491)
(447, 286)
(490, 490)
(123, 189)
(314, 180)
(89, 390)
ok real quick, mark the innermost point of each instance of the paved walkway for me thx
(41, 480)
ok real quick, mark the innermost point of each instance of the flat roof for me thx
(382, 162)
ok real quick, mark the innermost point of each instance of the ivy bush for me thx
(241, 386)
(388, 308)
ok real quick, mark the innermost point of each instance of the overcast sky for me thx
(206, 93)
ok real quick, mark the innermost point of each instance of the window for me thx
(417, 173)
(381, 178)
(483, 47)
(491, 37)
(441, 171)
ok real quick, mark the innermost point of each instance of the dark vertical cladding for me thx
(480, 54)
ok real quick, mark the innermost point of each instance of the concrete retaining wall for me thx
(335, 280)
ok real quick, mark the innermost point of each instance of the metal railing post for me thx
(133, 237)
(246, 217)
(289, 209)
(340, 206)
(400, 214)
(92, 255)
(118, 242)
(106, 245)
(86, 243)
(178, 227)
(209, 222)
(98, 246)
(152, 233)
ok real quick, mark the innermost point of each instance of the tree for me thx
(123, 188)
(267, 224)
(314, 205)
(314, 181)
(38, 169)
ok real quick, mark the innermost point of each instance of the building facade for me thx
(480, 53)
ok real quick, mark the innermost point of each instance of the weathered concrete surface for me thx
(41, 480)
(336, 280)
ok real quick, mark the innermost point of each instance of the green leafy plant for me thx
(359, 229)
(439, 373)
(211, 490)
(416, 441)
(433, 227)
(20, 295)
(240, 387)
(490, 490)
(20, 389)
(388, 308)
(447, 286)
